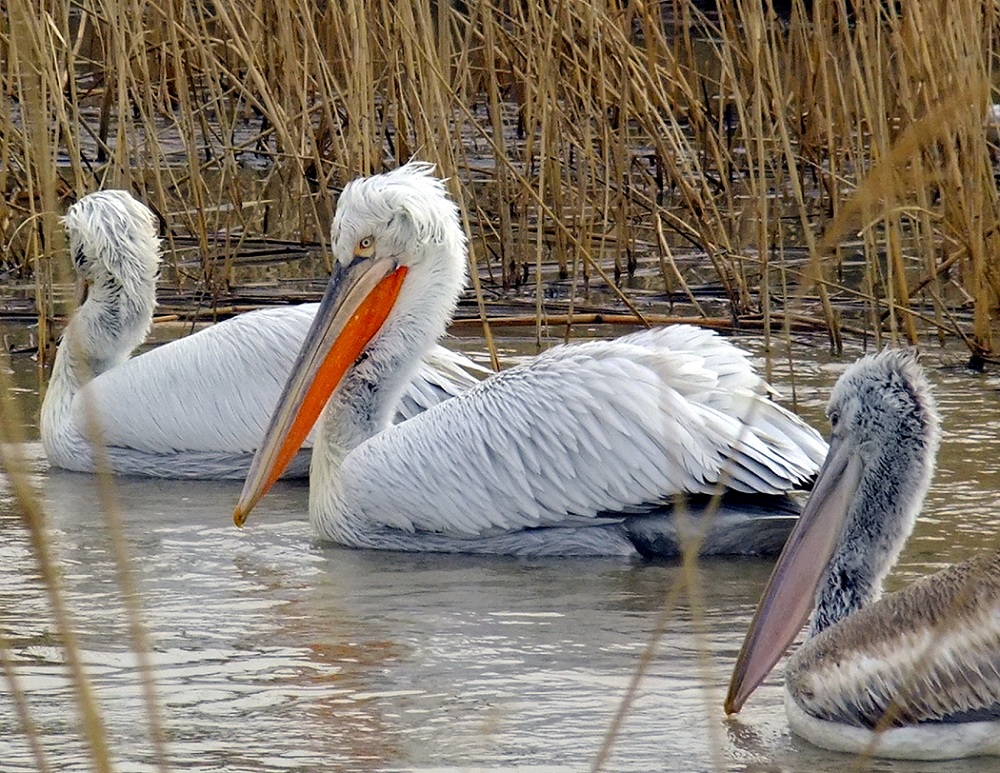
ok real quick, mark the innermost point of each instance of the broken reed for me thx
(587, 138)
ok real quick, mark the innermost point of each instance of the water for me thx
(275, 653)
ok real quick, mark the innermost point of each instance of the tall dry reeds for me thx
(832, 164)
(830, 167)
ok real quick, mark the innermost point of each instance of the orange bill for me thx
(357, 302)
(790, 594)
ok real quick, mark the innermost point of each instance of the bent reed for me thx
(832, 163)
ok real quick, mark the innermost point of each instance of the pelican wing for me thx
(214, 392)
(930, 653)
(582, 432)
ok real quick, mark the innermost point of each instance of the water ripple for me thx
(272, 653)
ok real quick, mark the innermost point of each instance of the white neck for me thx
(363, 404)
(112, 322)
(101, 334)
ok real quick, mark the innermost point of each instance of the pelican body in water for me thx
(193, 408)
(915, 674)
(573, 453)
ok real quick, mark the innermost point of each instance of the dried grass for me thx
(832, 165)
(590, 140)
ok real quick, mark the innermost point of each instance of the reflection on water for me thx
(273, 653)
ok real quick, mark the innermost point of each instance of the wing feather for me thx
(213, 392)
(579, 432)
(929, 653)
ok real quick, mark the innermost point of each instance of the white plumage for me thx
(583, 430)
(562, 455)
(196, 407)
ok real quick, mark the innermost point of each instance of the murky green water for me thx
(274, 653)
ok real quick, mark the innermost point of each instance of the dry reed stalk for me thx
(34, 74)
(15, 469)
(642, 136)
(42, 68)
(506, 247)
(542, 95)
(692, 534)
(128, 587)
(661, 621)
(29, 729)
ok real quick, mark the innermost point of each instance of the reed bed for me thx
(832, 163)
(832, 167)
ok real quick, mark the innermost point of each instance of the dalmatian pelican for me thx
(573, 453)
(193, 408)
(915, 674)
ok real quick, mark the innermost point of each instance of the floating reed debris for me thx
(589, 141)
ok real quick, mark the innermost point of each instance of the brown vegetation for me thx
(832, 162)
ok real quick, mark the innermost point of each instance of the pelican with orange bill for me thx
(578, 452)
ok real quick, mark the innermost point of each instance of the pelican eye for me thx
(834, 418)
(365, 248)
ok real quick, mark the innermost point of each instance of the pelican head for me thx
(400, 266)
(116, 253)
(862, 508)
(404, 219)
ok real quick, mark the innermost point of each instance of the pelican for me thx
(196, 407)
(570, 454)
(915, 674)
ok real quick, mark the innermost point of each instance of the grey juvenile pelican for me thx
(196, 407)
(565, 455)
(915, 674)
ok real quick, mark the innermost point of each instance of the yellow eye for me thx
(365, 248)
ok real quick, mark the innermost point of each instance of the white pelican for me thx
(196, 407)
(915, 674)
(564, 455)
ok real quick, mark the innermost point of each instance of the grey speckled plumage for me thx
(913, 675)
(881, 408)
(195, 407)
(929, 653)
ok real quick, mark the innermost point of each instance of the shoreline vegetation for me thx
(831, 167)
